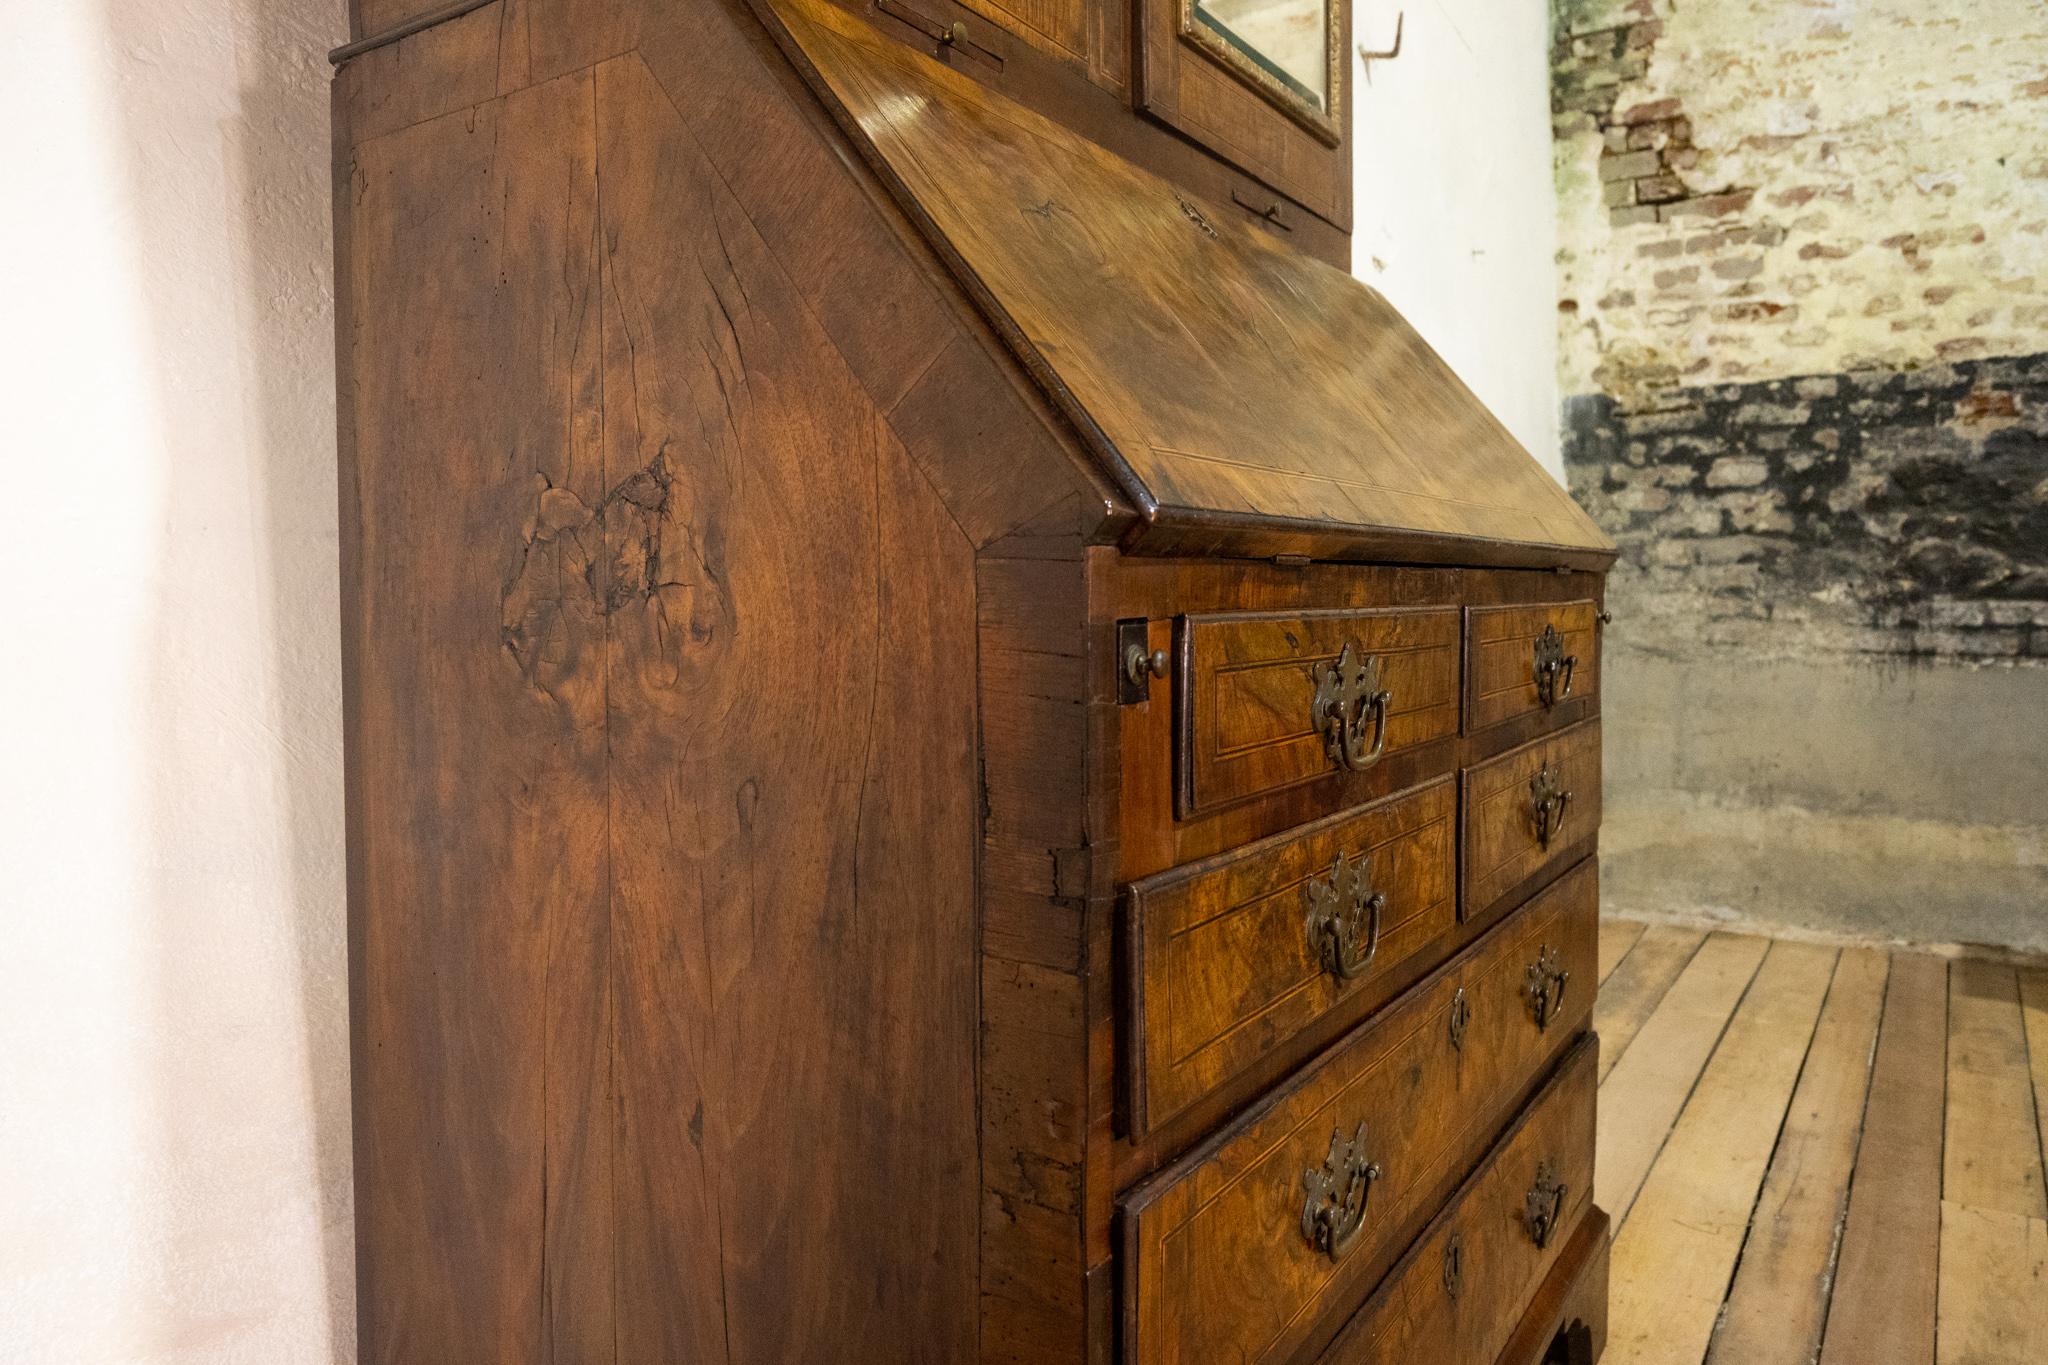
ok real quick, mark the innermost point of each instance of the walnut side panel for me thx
(663, 783)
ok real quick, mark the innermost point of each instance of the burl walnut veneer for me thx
(959, 748)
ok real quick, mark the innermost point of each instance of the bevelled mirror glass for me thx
(1286, 44)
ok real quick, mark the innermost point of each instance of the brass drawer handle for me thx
(1553, 668)
(1344, 917)
(1333, 1211)
(1348, 705)
(1543, 1206)
(1547, 805)
(1544, 987)
(1461, 1019)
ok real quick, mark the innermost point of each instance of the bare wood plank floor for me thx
(1820, 1154)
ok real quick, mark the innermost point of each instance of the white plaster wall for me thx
(173, 1047)
(1456, 210)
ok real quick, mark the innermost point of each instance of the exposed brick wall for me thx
(1804, 314)
(1885, 511)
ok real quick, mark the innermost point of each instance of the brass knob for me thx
(954, 35)
(1138, 664)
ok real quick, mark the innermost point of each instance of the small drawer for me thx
(1523, 661)
(1528, 812)
(1269, 701)
(1233, 956)
(1242, 1248)
(1461, 1291)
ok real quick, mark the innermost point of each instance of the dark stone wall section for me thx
(1889, 512)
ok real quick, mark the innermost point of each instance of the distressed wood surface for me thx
(1778, 1302)
(1678, 1245)
(1637, 987)
(1617, 937)
(1994, 1287)
(1991, 1158)
(1649, 1086)
(1851, 1251)
(1883, 1303)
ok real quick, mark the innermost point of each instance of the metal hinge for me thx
(946, 38)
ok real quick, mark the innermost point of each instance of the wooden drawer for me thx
(1235, 955)
(1461, 1291)
(1520, 661)
(1249, 720)
(1528, 812)
(1218, 1263)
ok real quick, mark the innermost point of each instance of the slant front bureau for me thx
(959, 748)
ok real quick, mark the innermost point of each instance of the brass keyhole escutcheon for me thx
(1544, 987)
(1543, 1206)
(1461, 1019)
(1553, 668)
(1344, 917)
(1454, 1266)
(1548, 803)
(1335, 1195)
(1348, 705)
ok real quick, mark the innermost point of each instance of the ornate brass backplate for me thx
(1344, 917)
(1333, 1206)
(1547, 803)
(1544, 987)
(1348, 704)
(1553, 668)
(1543, 1206)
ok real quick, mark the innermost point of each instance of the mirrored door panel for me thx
(1284, 45)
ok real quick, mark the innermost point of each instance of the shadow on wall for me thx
(223, 110)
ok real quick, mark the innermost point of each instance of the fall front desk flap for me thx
(1220, 377)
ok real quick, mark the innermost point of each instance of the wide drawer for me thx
(1460, 1292)
(1232, 956)
(1238, 1251)
(1529, 811)
(1520, 661)
(1270, 701)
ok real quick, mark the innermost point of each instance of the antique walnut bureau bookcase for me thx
(959, 748)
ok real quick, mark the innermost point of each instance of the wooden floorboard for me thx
(1994, 1287)
(1617, 936)
(1638, 986)
(1675, 1253)
(1993, 1151)
(1824, 1155)
(1883, 1302)
(1778, 1303)
(1643, 1094)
